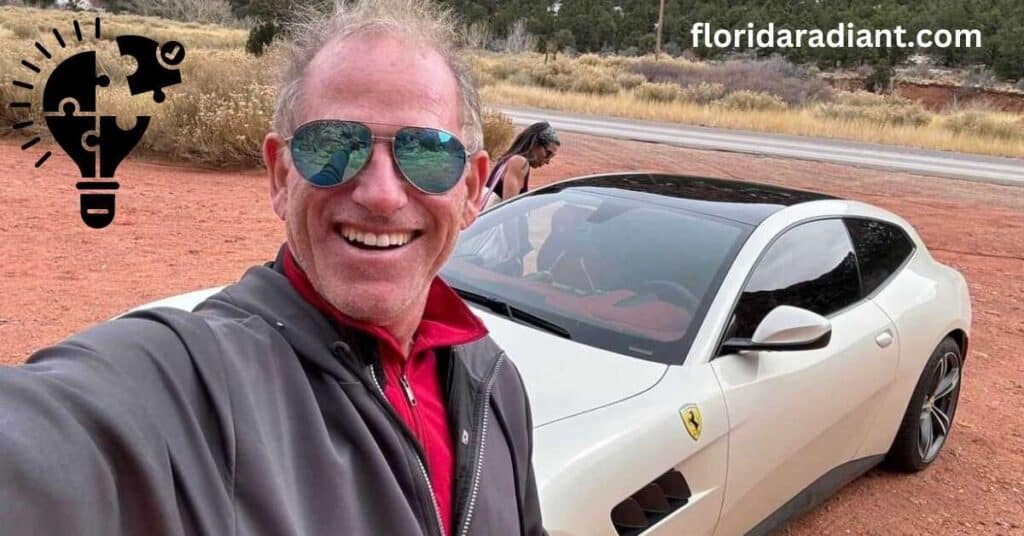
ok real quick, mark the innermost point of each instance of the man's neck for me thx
(403, 329)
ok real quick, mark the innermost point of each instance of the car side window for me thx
(811, 266)
(881, 249)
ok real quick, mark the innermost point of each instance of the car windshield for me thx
(630, 274)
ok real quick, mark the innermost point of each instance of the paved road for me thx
(1008, 171)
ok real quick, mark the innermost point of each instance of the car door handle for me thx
(884, 338)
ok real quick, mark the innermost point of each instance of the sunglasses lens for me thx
(431, 159)
(328, 153)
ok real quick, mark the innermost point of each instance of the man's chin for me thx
(377, 303)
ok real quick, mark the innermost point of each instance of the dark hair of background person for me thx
(524, 143)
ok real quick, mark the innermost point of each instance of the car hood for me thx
(565, 378)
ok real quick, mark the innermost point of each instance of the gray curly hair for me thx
(422, 21)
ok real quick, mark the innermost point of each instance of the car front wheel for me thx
(929, 416)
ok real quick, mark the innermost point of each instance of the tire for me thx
(929, 415)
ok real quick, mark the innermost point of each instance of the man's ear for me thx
(278, 167)
(479, 167)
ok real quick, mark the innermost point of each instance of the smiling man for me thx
(342, 388)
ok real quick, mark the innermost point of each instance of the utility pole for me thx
(661, 22)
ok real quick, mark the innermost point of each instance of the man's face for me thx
(375, 79)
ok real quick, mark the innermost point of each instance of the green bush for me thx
(260, 36)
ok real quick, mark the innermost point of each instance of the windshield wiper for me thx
(514, 313)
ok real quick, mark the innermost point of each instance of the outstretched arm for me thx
(82, 446)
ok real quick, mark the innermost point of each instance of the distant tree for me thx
(260, 36)
(880, 79)
(1009, 58)
(646, 43)
(564, 39)
(519, 38)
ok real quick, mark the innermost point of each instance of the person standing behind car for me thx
(534, 147)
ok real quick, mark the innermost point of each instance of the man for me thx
(341, 389)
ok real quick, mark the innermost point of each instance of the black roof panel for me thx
(747, 202)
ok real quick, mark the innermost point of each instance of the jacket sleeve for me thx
(533, 524)
(86, 429)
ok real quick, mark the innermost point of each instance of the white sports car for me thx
(712, 357)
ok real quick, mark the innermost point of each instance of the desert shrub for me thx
(752, 101)
(979, 123)
(594, 81)
(223, 128)
(703, 93)
(659, 91)
(189, 11)
(556, 74)
(521, 79)
(590, 59)
(567, 75)
(860, 98)
(506, 66)
(793, 84)
(484, 78)
(498, 132)
(629, 80)
(885, 113)
(980, 77)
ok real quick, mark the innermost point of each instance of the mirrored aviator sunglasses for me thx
(329, 152)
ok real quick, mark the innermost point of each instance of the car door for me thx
(797, 415)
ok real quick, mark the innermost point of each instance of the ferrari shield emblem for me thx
(692, 420)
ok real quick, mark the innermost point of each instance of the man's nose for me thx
(380, 187)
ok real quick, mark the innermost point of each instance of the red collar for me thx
(446, 319)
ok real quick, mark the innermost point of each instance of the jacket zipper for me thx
(482, 443)
(419, 458)
(408, 389)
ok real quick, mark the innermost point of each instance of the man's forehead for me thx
(377, 77)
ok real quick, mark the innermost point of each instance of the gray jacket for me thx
(254, 415)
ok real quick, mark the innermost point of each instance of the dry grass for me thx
(658, 91)
(220, 114)
(31, 23)
(769, 96)
(986, 124)
(498, 133)
(749, 101)
(799, 121)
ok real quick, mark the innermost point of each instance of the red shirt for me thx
(413, 385)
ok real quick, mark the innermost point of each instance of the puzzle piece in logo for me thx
(75, 78)
(114, 143)
(151, 74)
(70, 132)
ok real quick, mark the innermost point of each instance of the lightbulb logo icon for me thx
(94, 141)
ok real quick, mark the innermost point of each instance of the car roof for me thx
(746, 202)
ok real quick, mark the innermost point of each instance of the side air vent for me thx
(668, 493)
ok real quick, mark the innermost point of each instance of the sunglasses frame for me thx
(373, 139)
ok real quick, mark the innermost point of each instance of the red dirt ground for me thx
(179, 229)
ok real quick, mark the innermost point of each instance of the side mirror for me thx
(785, 328)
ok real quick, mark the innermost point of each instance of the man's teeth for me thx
(380, 240)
